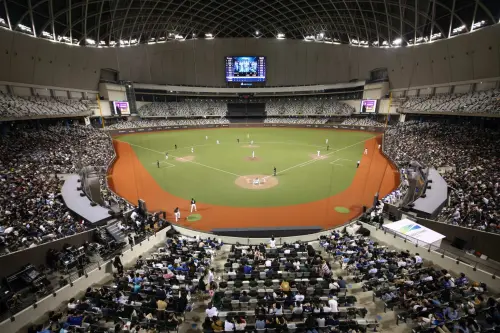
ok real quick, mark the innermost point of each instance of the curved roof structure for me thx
(357, 22)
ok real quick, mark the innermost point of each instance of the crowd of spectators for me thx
(152, 296)
(12, 106)
(168, 122)
(307, 106)
(469, 157)
(487, 101)
(185, 108)
(298, 121)
(423, 296)
(361, 122)
(31, 208)
(280, 288)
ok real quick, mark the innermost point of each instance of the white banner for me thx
(415, 232)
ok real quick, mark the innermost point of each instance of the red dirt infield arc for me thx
(130, 180)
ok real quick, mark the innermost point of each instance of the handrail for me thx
(443, 252)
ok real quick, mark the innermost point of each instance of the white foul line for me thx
(230, 173)
(334, 151)
(162, 153)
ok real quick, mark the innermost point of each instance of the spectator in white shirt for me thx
(299, 297)
(210, 276)
(373, 271)
(229, 325)
(268, 262)
(72, 304)
(333, 304)
(418, 259)
(321, 321)
(272, 243)
(334, 285)
(211, 311)
(231, 274)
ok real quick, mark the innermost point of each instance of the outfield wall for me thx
(243, 125)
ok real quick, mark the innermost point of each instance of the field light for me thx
(397, 41)
(209, 36)
(257, 32)
(281, 36)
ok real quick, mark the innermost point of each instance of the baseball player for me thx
(238, 140)
(158, 164)
(327, 148)
(274, 171)
(256, 181)
(326, 141)
(253, 154)
(193, 205)
(379, 146)
(217, 141)
(166, 155)
(206, 137)
(248, 136)
(357, 164)
(366, 151)
(175, 146)
(177, 214)
(251, 143)
(192, 149)
(318, 153)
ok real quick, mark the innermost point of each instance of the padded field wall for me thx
(118, 132)
(290, 62)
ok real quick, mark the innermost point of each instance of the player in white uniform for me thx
(366, 151)
(318, 153)
(177, 214)
(192, 149)
(217, 141)
(256, 181)
(206, 137)
(193, 205)
(251, 143)
(253, 154)
(357, 164)
(166, 155)
(326, 141)
(379, 146)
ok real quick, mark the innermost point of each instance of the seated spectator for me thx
(229, 324)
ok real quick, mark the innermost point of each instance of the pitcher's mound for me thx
(316, 157)
(256, 182)
(185, 159)
(250, 146)
(252, 159)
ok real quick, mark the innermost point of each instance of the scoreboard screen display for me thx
(246, 69)
(368, 106)
(120, 108)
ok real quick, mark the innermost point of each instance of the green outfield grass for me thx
(210, 178)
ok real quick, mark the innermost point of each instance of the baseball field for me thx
(230, 174)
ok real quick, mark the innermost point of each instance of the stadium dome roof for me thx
(358, 22)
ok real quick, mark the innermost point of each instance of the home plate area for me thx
(256, 182)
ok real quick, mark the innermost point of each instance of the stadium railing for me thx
(30, 311)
